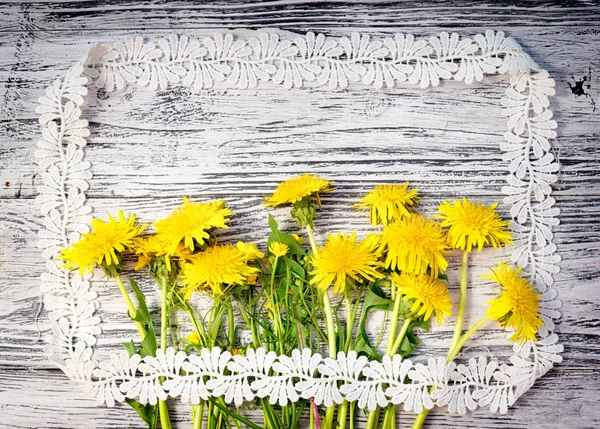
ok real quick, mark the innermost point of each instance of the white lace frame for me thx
(334, 63)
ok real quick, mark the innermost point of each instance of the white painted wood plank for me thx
(294, 14)
(63, 406)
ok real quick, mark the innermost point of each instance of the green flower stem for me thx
(391, 350)
(230, 325)
(420, 419)
(389, 419)
(311, 239)
(198, 415)
(275, 303)
(331, 337)
(165, 421)
(373, 419)
(460, 316)
(353, 415)
(349, 323)
(350, 313)
(461, 342)
(401, 336)
(130, 306)
(393, 323)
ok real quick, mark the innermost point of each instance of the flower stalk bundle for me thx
(297, 295)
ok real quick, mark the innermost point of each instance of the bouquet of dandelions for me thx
(293, 296)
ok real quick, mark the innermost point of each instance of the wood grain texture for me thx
(148, 150)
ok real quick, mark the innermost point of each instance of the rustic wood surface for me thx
(148, 150)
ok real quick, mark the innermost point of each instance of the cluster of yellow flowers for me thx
(408, 252)
(417, 247)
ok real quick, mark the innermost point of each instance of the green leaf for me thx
(284, 238)
(295, 267)
(149, 345)
(233, 415)
(410, 341)
(148, 413)
(375, 299)
(130, 348)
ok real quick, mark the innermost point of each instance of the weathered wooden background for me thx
(148, 150)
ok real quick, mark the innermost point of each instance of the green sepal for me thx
(148, 413)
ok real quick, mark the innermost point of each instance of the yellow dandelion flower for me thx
(388, 202)
(430, 294)
(516, 305)
(295, 189)
(153, 246)
(413, 244)
(193, 338)
(250, 251)
(103, 244)
(473, 225)
(342, 258)
(218, 267)
(279, 249)
(192, 221)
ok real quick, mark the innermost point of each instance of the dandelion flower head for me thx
(295, 189)
(517, 305)
(430, 294)
(278, 249)
(217, 268)
(192, 221)
(414, 244)
(341, 259)
(103, 244)
(388, 202)
(473, 225)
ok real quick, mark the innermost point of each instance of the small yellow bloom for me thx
(299, 240)
(413, 244)
(516, 305)
(295, 189)
(388, 202)
(237, 351)
(430, 294)
(103, 244)
(218, 267)
(250, 250)
(473, 225)
(192, 221)
(342, 258)
(193, 338)
(270, 309)
(279, 249)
